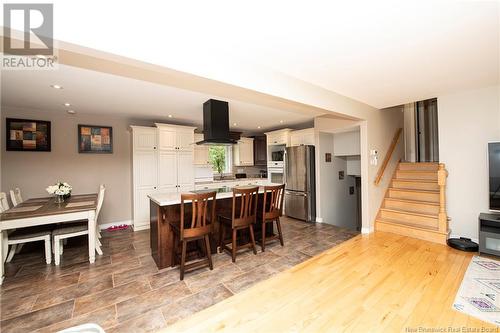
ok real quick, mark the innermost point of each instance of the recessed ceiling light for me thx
(67, 104)
(56, 86)
(234, 124)
(71, 111)
(281, 121)
(258, 127)
(170, 116)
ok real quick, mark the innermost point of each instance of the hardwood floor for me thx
(125, 292)
(380, 282)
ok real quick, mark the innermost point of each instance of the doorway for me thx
(426, 131)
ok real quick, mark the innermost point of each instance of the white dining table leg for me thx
(92, 227)
(2, 253)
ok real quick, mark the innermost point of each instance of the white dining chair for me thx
(4, 203)
(18, 238)
(15, 197)
(60, 234)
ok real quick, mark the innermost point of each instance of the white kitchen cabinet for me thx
(302, 137)
(167, 170)
(201, 156)
(279, 137)
(174, 137)
(185, 170)
(162, 162)
(243, 152)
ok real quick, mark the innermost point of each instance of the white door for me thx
(141, 208)
(166, 138)
(167, 170)
(185, 139)
(185, 169)
(145, 169)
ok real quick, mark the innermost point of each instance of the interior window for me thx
(220, 158)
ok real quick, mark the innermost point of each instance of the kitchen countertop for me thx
(229, 180)
(167, 199)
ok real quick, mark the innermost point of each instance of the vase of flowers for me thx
(61, 191)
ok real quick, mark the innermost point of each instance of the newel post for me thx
(442, 217)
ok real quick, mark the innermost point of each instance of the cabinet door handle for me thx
(154, 187)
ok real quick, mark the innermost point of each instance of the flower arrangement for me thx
(60, 190)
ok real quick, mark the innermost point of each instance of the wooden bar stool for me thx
(244, 214)
(198, 228)
(272, 209)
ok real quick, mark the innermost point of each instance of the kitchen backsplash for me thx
(205, 172)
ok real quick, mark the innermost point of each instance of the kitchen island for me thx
(166, 207)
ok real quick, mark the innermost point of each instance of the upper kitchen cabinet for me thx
(243, 152)
(302, 137)
(201, 157)
(173, 137)
(279, 137)
(260, 150)
(144, 138)
(346, 144)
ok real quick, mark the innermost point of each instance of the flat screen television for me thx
(494, 173)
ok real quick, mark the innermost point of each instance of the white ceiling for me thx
(99, 93)
(383, 53)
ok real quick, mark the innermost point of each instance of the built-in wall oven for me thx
(276, 175)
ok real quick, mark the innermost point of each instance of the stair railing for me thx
(442, 216)
(388, 156)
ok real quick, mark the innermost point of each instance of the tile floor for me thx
(125, 292)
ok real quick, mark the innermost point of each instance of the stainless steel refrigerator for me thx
(300, 189)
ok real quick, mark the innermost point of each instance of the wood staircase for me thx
(414, 204)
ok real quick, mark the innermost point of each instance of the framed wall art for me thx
(95, 139)
(27, 135)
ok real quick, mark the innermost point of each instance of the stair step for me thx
(416, 184)
(429, 166)
(414, 206)
(416, 175)
(421, 220)
(415, 195)
(411, 230)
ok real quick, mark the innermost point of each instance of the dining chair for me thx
(15, 197)
(196, 218)
(4, 203)
(243, 216)
(22, 236)
(272, 210)
(78, 229)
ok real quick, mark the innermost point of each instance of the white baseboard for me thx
(458, 236)
(141, 227)
(319, 219)
(107, 225)
(365, 230)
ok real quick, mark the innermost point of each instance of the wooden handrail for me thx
(442, 216)
(388, 156)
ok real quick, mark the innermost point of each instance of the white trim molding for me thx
(366, 230)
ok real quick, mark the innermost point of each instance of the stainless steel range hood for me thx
(216, 123)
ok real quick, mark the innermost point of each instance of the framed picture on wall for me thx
(27, 135)
(95, 139)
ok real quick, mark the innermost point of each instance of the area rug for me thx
(479, 293)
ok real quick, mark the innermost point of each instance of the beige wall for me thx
(34, 171)
(467, 121)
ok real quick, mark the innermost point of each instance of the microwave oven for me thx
(277, 156)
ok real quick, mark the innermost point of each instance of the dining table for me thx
(46, 211)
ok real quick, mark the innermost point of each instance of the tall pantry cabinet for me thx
(162, 161)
